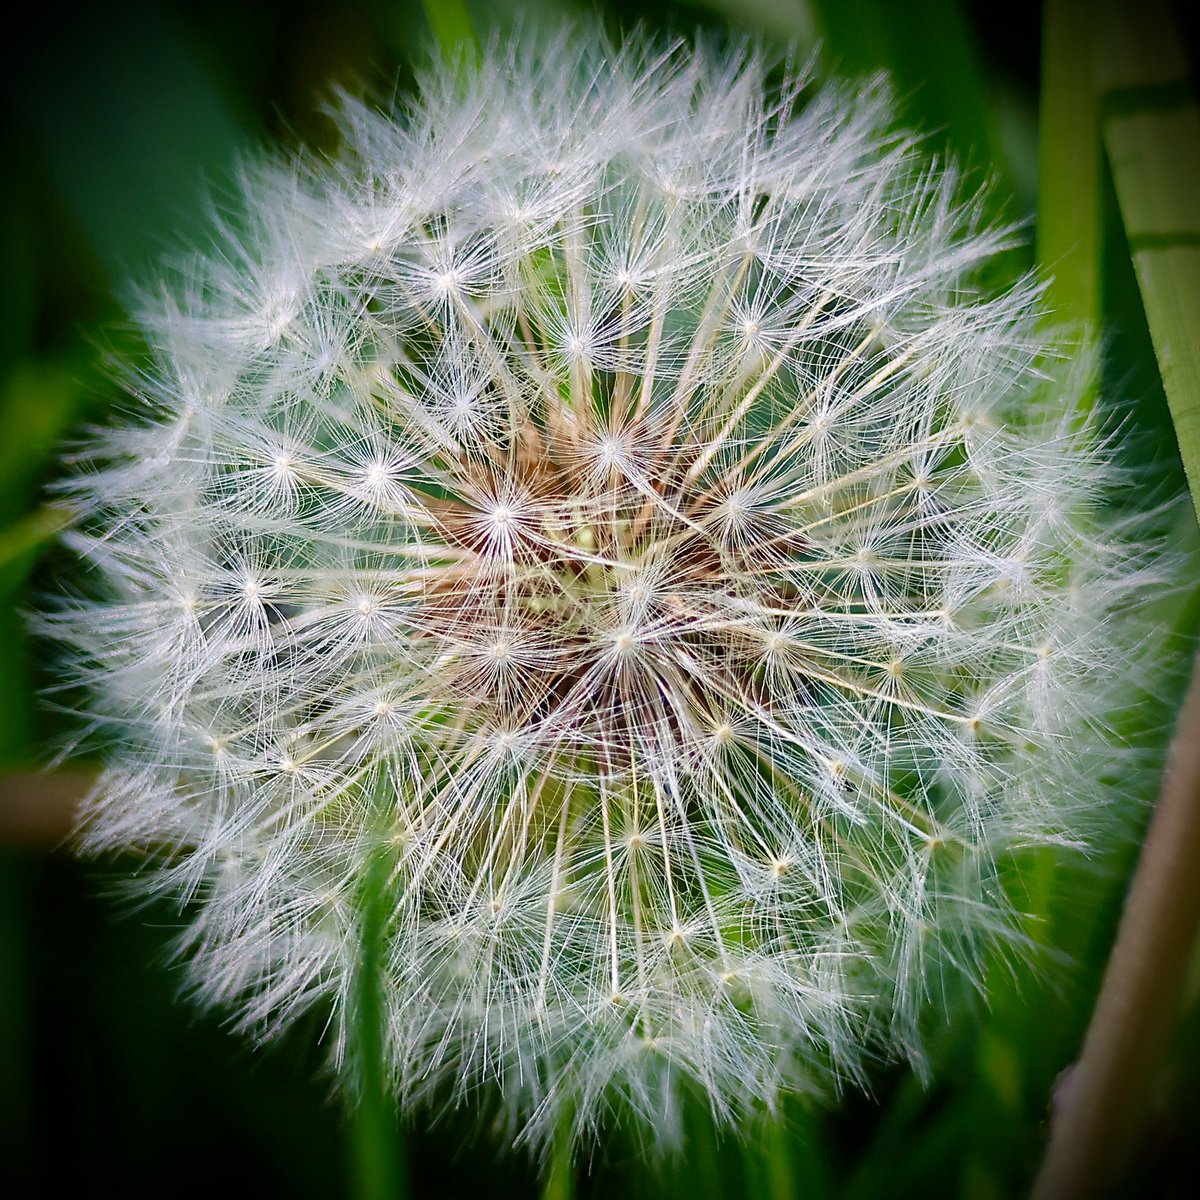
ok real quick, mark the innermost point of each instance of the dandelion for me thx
(599, 518)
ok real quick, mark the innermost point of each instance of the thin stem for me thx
(779, 1172)
(1069, 219)
(1099, 1112)
(1069, 252)
(376, 1145)
(560, 1173)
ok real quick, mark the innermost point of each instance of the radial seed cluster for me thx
(596, 521)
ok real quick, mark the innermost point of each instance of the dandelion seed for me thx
(604, 493)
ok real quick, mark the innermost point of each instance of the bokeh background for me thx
(113, 121)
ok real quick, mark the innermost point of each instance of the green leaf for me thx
(1151, 129)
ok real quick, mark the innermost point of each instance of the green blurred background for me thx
(112, 123)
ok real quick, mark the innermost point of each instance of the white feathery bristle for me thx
(603, 492)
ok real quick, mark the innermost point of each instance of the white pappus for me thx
(603, 494)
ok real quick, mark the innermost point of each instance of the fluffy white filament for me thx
(602, 491)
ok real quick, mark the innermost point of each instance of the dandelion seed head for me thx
(605, 492)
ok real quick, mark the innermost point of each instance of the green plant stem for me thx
(1070, 195)
(559, 1183)
(452, 26)
(1017, 1040)
(1069, 249)
(1151, 128)
(777, 1159)
(1098, 1116)
(376, 1145)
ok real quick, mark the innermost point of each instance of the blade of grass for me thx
(1017, 1041)
(786, 1160)
(1151, 130)
(1070, 195)
(559, 1182)
(452, 26)
(1069, 247)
